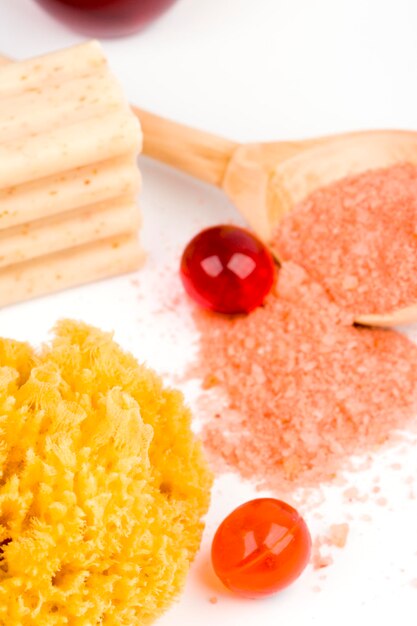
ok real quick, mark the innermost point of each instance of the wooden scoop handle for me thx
(195, 152)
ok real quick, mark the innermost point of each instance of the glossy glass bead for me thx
(227, 269)
(261, 547)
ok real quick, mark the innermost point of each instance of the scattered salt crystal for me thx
(210, 381)
(319, 558)
(350, 282)
(335, 537)
(396, 466)
(250, 342)
(258, 374)
(338, 534)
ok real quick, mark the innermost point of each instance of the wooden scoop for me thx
(265, 180)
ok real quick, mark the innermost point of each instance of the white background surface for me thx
(268, 69)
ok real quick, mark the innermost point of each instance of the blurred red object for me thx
(106, 18)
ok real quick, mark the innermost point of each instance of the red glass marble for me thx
(227, 269)
(106, 18)
(261, 548)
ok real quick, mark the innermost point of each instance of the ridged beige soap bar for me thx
(67, 230)
(69, 190)
(61, 111)
(69, 268)
(68, 174)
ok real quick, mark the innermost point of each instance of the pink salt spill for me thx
(336, 536)
(302, 389)
(319, 561)
(358, 238)
(319, 554)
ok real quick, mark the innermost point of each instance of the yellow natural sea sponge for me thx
(102, 488)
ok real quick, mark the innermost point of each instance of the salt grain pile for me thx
(358, 239)
(302, 388)
(305, 389)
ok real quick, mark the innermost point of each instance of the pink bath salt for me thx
(320, 561)
(301, 388)
(319, 556)
(396, 466)
(351, 494)
(322, 544)
(338, 534)
(358, 238)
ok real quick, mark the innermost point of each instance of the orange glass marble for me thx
(261, 548)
